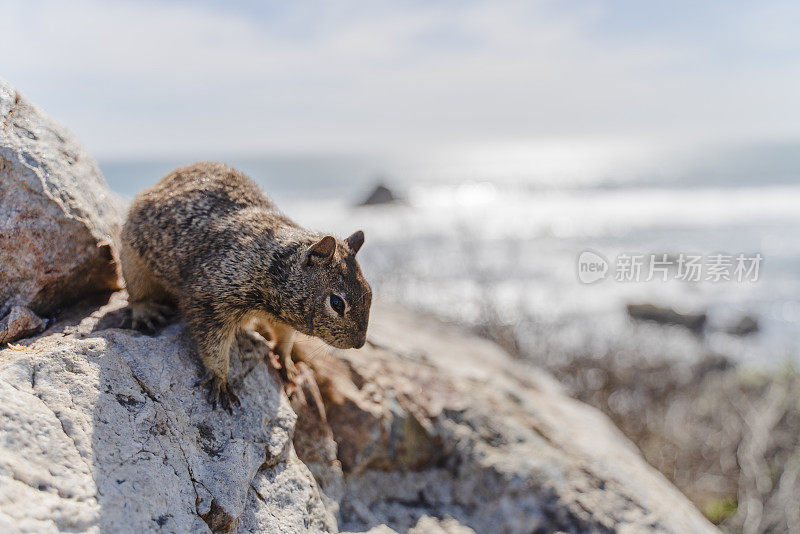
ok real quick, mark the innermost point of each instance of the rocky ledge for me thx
(425, 429)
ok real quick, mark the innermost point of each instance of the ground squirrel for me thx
(207, 240)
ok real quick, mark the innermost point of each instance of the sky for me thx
(137, 79)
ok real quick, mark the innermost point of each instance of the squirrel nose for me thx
(360, 342)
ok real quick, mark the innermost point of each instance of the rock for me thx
(313, 438)
(667, 316)
(57, 214)
(101, 429)
(432, 525)
(19, 322)
(442, 424)
(744, 327)
(380, 195)
(428, 525)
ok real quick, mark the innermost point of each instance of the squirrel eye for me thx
(337, 304)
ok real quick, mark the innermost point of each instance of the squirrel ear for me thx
(355, 241)
(323, 249)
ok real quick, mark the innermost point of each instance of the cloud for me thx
(148, 78)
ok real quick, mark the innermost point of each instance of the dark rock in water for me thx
(712, 363)
(656, 314)
(747, 325)
(380, 195)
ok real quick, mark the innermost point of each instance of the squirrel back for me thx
(210, 238)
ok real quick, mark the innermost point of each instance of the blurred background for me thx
(509, 137)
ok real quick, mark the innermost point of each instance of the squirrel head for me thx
(337, 311)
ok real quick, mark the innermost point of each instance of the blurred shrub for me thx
(728, 438)
(730, 441)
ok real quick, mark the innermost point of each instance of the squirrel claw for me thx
(229, 398)
(220, 392)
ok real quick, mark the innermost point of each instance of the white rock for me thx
(104, 431)
(57, 215)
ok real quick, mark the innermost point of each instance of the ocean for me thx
(495, 233)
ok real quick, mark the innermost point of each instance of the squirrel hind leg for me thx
(147, 298)
(147, 316)
(140, 282)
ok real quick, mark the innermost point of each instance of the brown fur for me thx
(207, 240)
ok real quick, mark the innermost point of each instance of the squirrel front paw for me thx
(282, 361)
(289, 370)
(219, 391)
